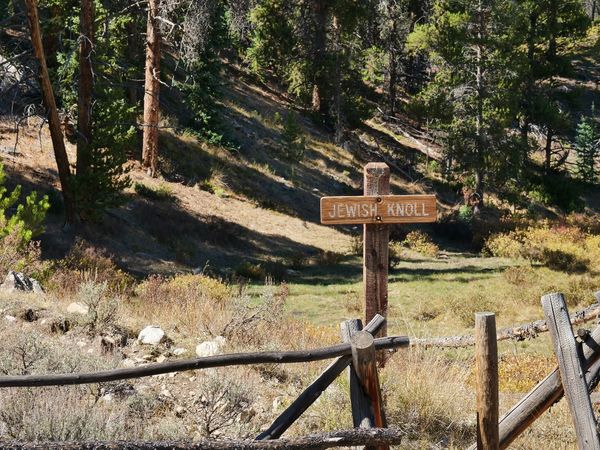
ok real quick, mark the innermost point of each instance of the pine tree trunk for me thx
(552, 25)
(58, 143)
(548, 151)
(84, 101)
(151, 91)
(393, 69)
(479, 87)
(337, 80)
(320, 17)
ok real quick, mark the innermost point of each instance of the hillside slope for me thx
(251, 201)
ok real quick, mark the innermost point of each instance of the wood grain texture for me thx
(375, 248)
(314, 390)
(343, 438)
(359, 401)
(546, 393)
(571, 371)
(486, 373)
(515, 332)
(364, 362)
(378, 209)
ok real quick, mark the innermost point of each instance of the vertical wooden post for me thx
(362, 416)
(375, 248)
(365, 365)
(486, 368)
(571, 370)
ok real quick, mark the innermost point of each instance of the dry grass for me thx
(429, 396)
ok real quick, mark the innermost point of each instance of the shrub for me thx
(421, 243)
(222, 401)
(102, 308)
(560, 260)
(197, 303)
(25, 220)
(84, 262)
(519, 275)
(252, 271)
(465, 309)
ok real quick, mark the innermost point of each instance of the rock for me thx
(151, 335)
(161, 359)
(179, 411)
(11, 319)
(179, 351)
(78, 308)
(211, 348)
(29, 315)
(18, 281)
(597, 295)
(276, 403)
(165, 393)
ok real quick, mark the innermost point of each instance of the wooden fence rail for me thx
(333, 351)
(344, 438)
(518, 332)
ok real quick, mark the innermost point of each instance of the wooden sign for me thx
(378, 209)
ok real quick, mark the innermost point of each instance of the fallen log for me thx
(519, 333)
(344, 438)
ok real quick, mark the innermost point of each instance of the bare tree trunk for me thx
(58, 143)
(84, 101)
(151, 91)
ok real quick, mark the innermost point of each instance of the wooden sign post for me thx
(376, 210)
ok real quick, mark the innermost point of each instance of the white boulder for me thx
(211, 348)
(152, 335)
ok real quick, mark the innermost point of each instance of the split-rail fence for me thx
(577, 373)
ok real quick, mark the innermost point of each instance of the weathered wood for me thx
(375, 248)
(571, 371)
(359, 400)
(316, 388)
(378, 209)
(486, 373)
(546, 393)
(365, 364)
(343, 438)
(517, 332)
(58, 143)
(341, 350)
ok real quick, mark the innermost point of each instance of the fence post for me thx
(375, 248)
(486, 368)
(365, 364)
(362, 416)
(571, 370)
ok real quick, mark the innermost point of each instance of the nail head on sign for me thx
(378, 218)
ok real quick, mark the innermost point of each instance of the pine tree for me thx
(473, 94)
(587, 146)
